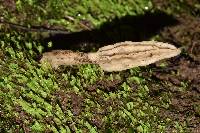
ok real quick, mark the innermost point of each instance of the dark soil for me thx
(185, 105)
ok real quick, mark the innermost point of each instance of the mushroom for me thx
(57, 58)
(116, 57)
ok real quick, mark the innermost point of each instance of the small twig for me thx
(33, 28)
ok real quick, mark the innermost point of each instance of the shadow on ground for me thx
(132, 28)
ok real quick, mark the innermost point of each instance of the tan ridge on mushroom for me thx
(116, 57)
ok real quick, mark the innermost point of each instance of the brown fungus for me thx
(117, 57)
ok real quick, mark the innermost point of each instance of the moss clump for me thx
(73, 15)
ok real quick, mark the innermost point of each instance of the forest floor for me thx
(161, 97)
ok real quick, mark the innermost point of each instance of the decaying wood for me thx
(117, 57)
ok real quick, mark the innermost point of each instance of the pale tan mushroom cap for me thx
(126, 55)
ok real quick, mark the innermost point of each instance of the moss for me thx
(70, 14)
